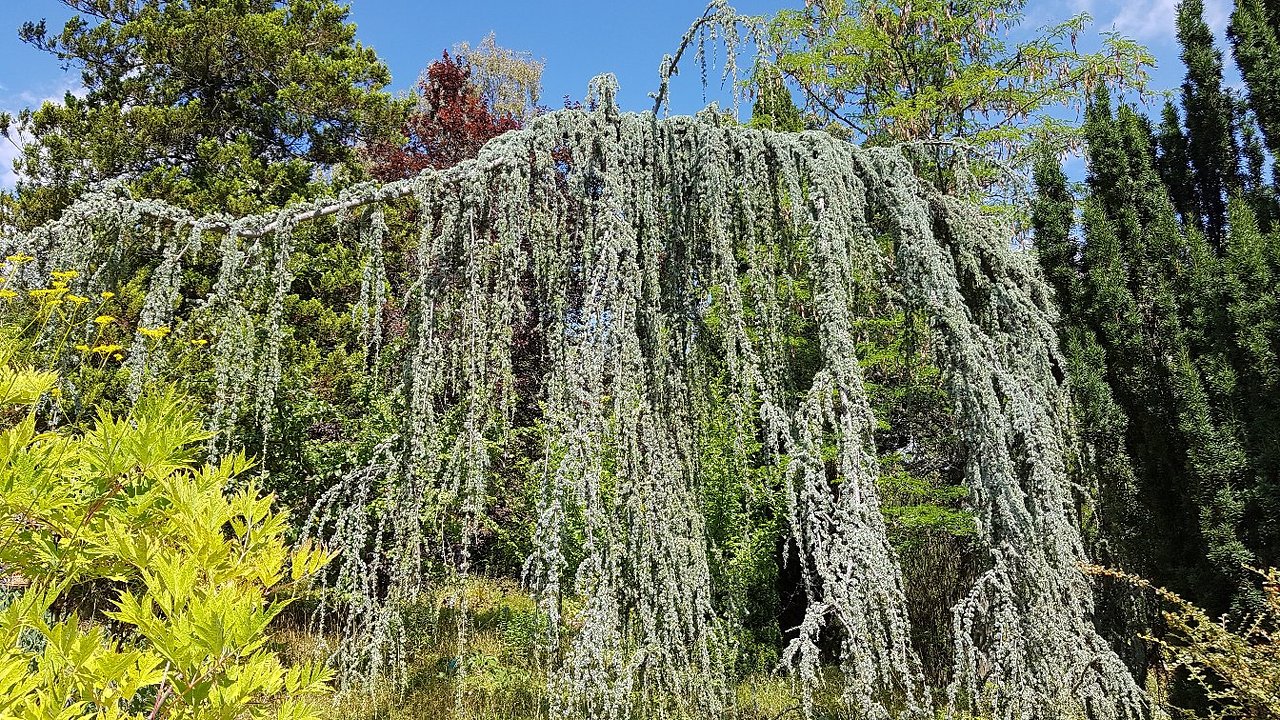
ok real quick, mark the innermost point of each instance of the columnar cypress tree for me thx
(1114, 253)
(1258, 188)
(1146, 291)
(1052, 217)
(1101, 422)
(1169, 321)
(1209, 112)
(1174, 162)
(1143, 327)
(1255, 41)
(1252, 305)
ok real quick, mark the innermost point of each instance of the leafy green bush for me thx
(195, 572)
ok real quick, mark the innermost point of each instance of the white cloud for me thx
(8, 178)
(1155, 20)
(1217, 13)
(1147, 20)
(12, 103)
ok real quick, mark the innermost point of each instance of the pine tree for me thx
(230, 105)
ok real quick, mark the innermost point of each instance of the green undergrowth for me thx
(475, 651)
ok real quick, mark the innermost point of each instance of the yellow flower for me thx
(106, 349)
(46, 292)
(7, 293)
(155, 332)
(107, 294)
(199, 341)
(118, 356)
(56, 392)
(104, 319)
(77, 299)
(64, 274)
(59, 284)
(19, 258)
(82, 348)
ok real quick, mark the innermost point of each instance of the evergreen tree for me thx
(229, 106)
(1174, 162)
(774, 109)
(1258, 189)
(1144, 328)
(1254, 32)
(1052, 218)
(214, 104)
(1250, 267)
(1101, 422)
(1114, 517)
(1211, 146)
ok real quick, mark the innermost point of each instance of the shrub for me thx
(1236, 664)
(193, 572)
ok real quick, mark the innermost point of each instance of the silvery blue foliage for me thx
(624, 238)
(367, 312)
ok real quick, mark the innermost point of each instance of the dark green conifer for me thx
(1052, 217)
(1255, 43)
(1147, 293)
(1210, 122)
(1102, 457)
(1251, 268)
(1173, 160)
(228, 105)
(774, 108)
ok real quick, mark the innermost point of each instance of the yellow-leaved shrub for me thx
(193, 570)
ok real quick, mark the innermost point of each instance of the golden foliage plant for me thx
(139, 585)
(1236, 663)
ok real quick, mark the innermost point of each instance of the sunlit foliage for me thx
(666, 273)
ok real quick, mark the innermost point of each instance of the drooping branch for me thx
(663, 265)
(720, 17)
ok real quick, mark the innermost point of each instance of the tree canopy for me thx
(711, 400)
(231, 104)
(895, 70)
(455, 116)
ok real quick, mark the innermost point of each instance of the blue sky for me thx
(577, 40)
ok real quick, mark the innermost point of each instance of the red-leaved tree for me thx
(451, 123)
